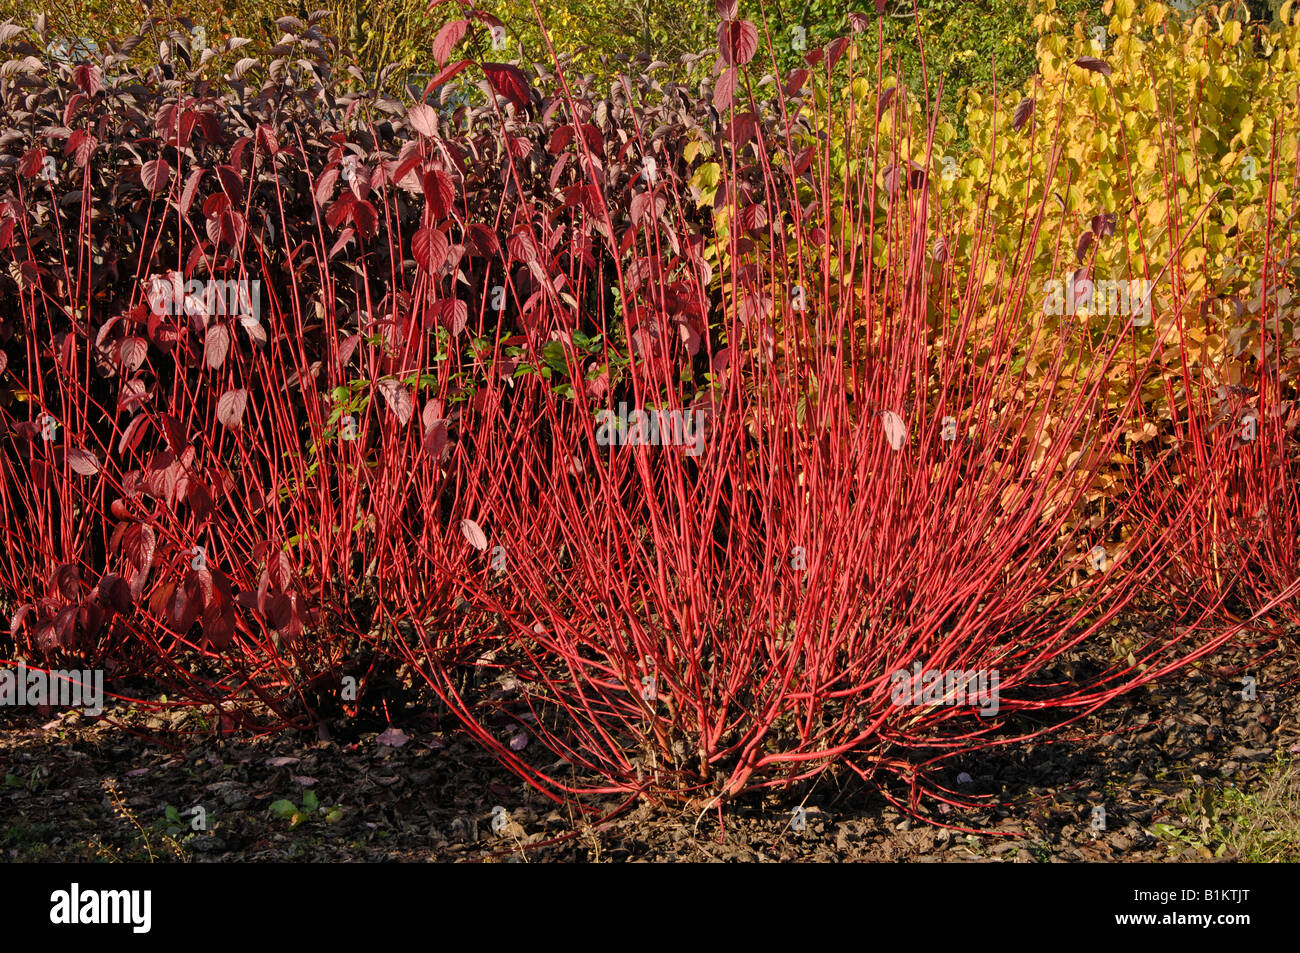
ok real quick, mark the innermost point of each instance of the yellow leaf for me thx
(1148, 155)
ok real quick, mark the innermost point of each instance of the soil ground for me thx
(1185, 769)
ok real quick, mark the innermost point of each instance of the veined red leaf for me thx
(216, 344)
(83, 462)
(753, 217)
(453, 314)
(325, 185)
(508, 81)
(191, 187)
(31, 162)
(474, 533)
(156, 174)
(138, 543)
(895, 429)
(883, 103)
(230, 407)
(447, 39)
(423, 119)
(522, 245)
(737, 41)
(88, 78)
(133, 433)
(429, 249)
(1022, 113)
(435, 438)
(1094, 65)
(132, 352)
(724, 89)
(835, 49)
(440, 193)
(366, 218)
(446, 75)
(398, 399)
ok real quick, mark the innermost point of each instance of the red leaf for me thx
(1085, 242)
(216, 344)
(429, 249)
(132, 351)
(834, 50)
(453, 314)
(191, 187)
(174, 433)
(219, 625)
(230, 407)
(448, 37)
(508, 81)
(398, 399)
(279, 611)
(435, 438)
(339, 210)
(725, 9)
(522, 245)
(88, 78)
(724, 91)
(325, 185)
(446, 75)
(440, 193)
(1022, 113)
(1094, 65)
(483, 239)
(737, 41)
(474, 533)
(231, 182)
(796, 81)
(895, 429)
(266, 139)
(887, 97)
(432, 413)
(1103, 225)
(133, 433)
(280, 570)
(156, 174)
(31, 162)
(423, 119)
(83, 462)
(366, 218)
(81, 146)
(70, 109)
(138, 545)
(647, 203)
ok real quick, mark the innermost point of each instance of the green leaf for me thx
(309, 802)
(283, 808)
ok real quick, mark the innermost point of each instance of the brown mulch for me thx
(77, 789)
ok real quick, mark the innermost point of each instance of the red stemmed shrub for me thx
(388, 453)
(876, 487)
(239, 477)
